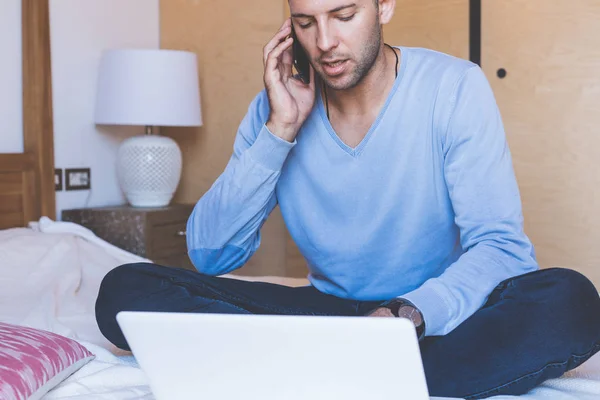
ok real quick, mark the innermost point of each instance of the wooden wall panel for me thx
(441, 25)
(549, 100)
(228, 37)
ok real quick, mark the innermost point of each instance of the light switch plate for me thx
(58, 179)
(78, 179)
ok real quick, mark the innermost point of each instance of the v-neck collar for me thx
(355, 151)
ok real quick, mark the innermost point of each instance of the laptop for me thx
(240, 356)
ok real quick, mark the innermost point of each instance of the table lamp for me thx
(150, 88)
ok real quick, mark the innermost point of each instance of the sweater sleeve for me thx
(223, 231)
(487, 207)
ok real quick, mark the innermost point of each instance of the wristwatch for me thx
(405, 309)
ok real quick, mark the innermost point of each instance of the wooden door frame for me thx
(38, 124)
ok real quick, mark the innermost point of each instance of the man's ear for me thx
(386, 10)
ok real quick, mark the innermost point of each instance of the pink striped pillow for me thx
(33, 361)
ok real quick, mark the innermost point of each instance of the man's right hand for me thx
(290, 99)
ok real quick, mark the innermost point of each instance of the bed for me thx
(67, 262)
(50, 271)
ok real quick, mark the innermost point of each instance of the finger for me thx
(285, 31)
(273, 57)
(286, 23)
(274, 42)
(287, 60)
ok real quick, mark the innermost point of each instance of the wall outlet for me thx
(58, 179)
(78, 179)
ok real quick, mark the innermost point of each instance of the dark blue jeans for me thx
(533, 327)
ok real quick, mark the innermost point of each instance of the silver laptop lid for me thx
(218, 356)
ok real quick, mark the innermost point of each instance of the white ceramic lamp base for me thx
(149, 170)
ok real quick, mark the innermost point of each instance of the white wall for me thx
(80, 31)
(11, 98)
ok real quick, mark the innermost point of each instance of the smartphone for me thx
(300, 59)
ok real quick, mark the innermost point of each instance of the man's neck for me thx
(370, 92)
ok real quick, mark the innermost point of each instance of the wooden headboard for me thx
(27, 179)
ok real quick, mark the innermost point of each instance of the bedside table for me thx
(158, 234)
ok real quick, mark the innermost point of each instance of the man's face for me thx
(341, 37)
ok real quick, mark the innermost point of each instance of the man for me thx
(393, 175)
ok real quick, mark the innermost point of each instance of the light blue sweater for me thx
(426, 207)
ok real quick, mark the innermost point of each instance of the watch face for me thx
(411, 313)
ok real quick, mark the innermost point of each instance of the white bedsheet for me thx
(49, 277)
(106, 377)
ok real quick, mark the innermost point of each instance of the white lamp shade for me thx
(148, 87)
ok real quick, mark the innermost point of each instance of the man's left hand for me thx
(381, 312)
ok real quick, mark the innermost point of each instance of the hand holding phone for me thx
(290, 99)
